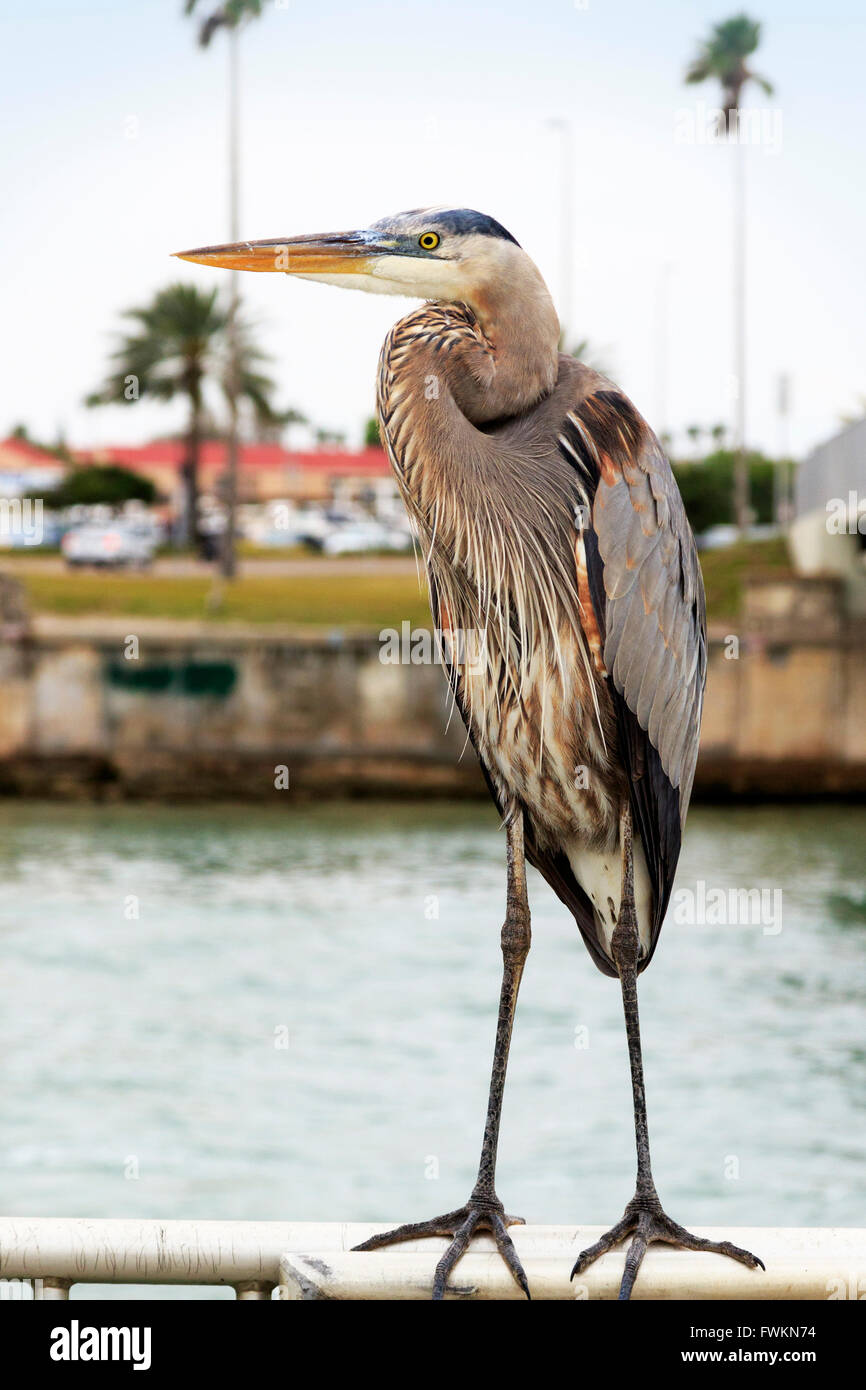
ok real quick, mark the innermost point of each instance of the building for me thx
(27, 470)
(828, 534)
(267, 472)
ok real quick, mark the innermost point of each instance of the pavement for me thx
(176, 567)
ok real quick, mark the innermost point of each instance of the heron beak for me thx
(343, 253)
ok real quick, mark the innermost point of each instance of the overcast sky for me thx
(113, 155)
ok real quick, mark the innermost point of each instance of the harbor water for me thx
(226, 1012)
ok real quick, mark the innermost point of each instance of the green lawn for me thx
(725, 571)
(362, 600)
(329, 600)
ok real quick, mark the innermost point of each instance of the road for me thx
(176, 567)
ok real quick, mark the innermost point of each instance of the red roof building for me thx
(30, 465)
(266, 471)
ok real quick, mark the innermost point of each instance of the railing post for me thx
(46, 1290)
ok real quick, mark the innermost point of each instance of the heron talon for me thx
(461, 1225)
(646, 1225)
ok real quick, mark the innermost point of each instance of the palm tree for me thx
(228, 16)
(177, 349)
(231, 15)
(723, 57)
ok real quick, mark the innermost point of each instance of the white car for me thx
(365, 535)
(718, 537)
(725, 534)
(110, 544)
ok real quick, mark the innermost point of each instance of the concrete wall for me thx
(786, 694)
(213, 712)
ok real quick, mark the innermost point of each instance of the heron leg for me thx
(644, 1218)
(484, 1211)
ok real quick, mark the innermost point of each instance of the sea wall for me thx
(167, 710)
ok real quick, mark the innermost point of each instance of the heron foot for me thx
(479, 1214)
(646, 1223)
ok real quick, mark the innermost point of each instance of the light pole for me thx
(566, 224)
(231, 15)
(783, 472)
(228, 558)
(661, 362)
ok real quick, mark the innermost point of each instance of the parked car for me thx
(725, 534)
(279, 538)
(717, 537)
(316, 524)
(365, 535)
(112, 544)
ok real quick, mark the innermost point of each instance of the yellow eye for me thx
(428, 241)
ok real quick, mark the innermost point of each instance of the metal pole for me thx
(566, 226)
(782, 511)
(51, 1290)
(662, 308)
(229, 563)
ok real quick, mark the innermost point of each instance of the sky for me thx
(114, 155)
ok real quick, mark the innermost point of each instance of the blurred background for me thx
(252, 884)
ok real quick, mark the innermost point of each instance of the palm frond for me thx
(723, 56)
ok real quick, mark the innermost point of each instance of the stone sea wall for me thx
(95, 709)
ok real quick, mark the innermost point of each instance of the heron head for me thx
(451, 254)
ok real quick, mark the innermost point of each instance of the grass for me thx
(327, 600)
(248, 550)
(725, 572)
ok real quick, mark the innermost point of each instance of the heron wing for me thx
(647, 593)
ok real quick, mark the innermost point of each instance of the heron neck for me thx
(448, 368)
(519, 322)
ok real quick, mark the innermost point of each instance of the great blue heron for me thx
(550, 523)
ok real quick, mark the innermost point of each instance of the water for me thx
(144, 1072)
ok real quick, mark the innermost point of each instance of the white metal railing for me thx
(313, 1260)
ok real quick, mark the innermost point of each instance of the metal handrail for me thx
(311, 1260)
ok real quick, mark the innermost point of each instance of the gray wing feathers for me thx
(655, 646)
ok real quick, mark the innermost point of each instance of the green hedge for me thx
(707, 486)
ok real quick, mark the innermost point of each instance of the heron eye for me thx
(428, 241)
